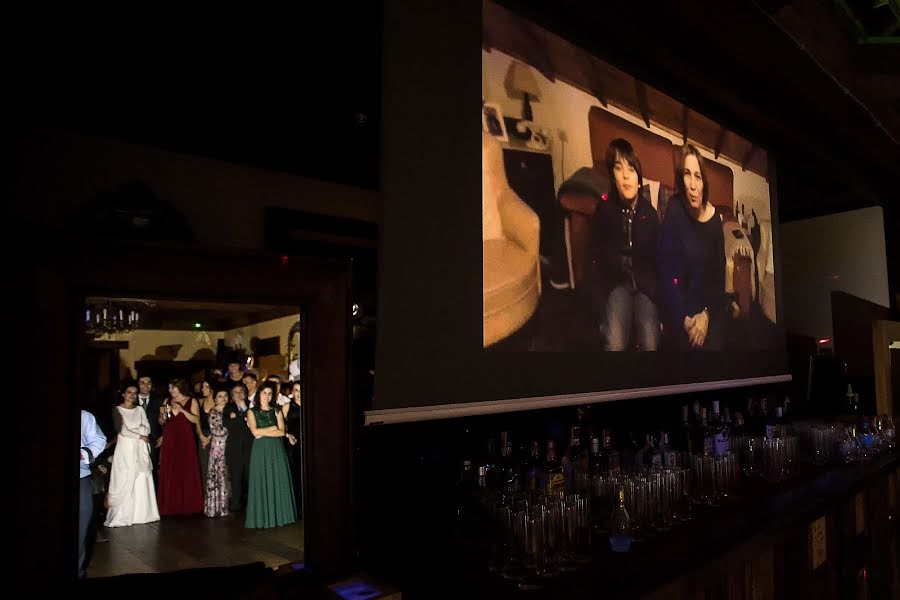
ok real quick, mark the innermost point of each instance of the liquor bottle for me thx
(630, 449)
(653, 456)
(703, 437)
(772, 426)
(866, 440)
(779, 422)
(642, 456)
(739, 429)
(620, 525)
(553, 469)
(849, 401)
(719, 432)
(610, 459)
(574, 460)
(508, 472)
(764, 421)
(669, 454)
(686, 442)
(534, 475)
(751, 417)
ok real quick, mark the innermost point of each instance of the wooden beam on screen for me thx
(641, 92)
(593, 78)
(537, 51)
(720, 141)
(748, 157)
(684, 123)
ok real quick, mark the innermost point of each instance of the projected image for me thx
(614, 218)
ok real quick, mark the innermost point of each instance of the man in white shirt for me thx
(93, 442)
(281, 398)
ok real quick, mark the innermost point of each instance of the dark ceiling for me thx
(292, 86)
(284, 86)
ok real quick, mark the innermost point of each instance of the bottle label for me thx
(721, 444)
(709, 446)
(866, 440)
(620, 543)
(556, 482)
(770, 431)
(671, 459)
(656, 460)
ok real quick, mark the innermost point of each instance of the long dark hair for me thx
(273, 402)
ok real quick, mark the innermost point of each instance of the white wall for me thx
(843, 252)
(276, 327)
(143, 343)
(562, 107)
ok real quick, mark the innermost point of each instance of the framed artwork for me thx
(492, 121)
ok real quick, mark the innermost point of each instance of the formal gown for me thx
(203, 453)
(131, 495)
(179, 490)
(293, 424)
(218, 482)
(270, 497)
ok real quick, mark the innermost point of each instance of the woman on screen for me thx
(692, 262)
(623, 283)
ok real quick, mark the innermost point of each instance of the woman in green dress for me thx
(270, 497)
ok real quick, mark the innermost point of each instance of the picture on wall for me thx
(636, 224)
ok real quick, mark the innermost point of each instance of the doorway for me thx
(225, 352)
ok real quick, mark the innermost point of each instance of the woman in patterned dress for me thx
(218, 482)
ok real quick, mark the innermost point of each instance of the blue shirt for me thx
(92, 439)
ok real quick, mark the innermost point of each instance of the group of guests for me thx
(231, 444)
(655, 284)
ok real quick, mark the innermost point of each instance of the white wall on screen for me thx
(562, 107)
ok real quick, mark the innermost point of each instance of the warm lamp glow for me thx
(520, 82)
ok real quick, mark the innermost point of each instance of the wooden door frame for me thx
(321, 290)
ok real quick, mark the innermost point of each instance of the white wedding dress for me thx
(131, 495)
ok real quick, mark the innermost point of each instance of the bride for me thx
(131, 496)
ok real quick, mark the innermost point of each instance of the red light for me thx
(284, 261)
(835, 276)
(675, 281)
(824, 340)
(865, 575)
(604, 197)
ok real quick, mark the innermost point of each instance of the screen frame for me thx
(427, 75)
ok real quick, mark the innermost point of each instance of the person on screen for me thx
(693, 301)
(623, 282)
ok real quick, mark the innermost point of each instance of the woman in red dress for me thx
(179, 491)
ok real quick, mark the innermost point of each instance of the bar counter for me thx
(757, 546)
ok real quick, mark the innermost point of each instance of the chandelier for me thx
(109, 318)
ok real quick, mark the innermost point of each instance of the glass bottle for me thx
(620, 525)
(556, 478)
(719, 432)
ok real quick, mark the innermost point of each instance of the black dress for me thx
(293, 424)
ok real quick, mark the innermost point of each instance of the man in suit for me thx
(151, 403)
(237, 449)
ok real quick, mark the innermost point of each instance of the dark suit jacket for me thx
(240, 440)
(152, 410)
